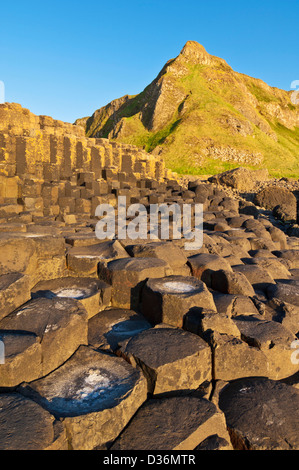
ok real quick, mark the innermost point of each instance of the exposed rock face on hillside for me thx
(198, 112)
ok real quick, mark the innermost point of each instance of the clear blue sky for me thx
(67, 58)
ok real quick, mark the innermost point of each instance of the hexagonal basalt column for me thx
(94, 295)
(205, 323)
(22, 359)
(169, 299)
(261, 414)
(127, 277)
(14, 291)
(82, 239)
(203, 264)
(60, 324)
(258, 277)
(286, 290)
(83, 260)
(94, 393)
(174, 423)
(112, 326)
(275, 342)
(233, 358)
(273, 266)
(27, 426)
(171, 359)
(167, 251)
(231, 283)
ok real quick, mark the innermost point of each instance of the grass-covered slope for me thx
(204, 118)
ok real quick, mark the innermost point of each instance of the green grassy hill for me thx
(205, 118)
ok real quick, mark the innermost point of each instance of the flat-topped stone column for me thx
(94, 394)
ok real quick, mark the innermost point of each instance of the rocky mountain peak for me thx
(195, 53)
(199, 114)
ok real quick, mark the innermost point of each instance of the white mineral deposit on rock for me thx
(73, 293)
(178, 287)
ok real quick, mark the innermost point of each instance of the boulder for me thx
(240, 178)
(279, 236)
(273, 266)
(239, 240)
(261, 243)
(232, 305)
(205, 323)
(280, 200)
(17, 254)
(290, 256)
(237, 221)
(202, 190)
(38, 256)
(233, 260)
(286, 213)
(286, 290)
(286, 314)
(83, 260)
(234, 358)
(82, 239)
(258, 277)
(230, 204)
(248, 208)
